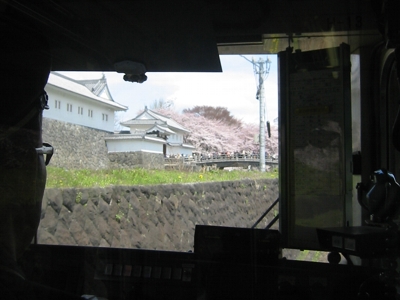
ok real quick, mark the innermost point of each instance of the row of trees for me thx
(214, 129)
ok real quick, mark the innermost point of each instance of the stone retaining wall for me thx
(80, 147)
(159, 217)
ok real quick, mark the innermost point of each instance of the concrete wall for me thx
(152, 217)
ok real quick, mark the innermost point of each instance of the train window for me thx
(316, 178)
(201, 122)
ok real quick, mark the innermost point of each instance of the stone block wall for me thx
(128, 160)
(80, 147)
(161, 217)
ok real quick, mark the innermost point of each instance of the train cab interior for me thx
(339, 138)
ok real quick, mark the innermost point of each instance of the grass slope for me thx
(62, 178)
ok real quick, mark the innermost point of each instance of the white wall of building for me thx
(132, 145)
(179, 150)
(175, 138)
(74, 108)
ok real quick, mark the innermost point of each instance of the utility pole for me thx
(261, 71)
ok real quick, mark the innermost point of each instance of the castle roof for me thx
(95, 89)
(152, 118)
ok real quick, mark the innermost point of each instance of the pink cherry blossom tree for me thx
(212, 135)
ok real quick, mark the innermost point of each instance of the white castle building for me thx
(151, 132)
(81, 102)
(89, 103)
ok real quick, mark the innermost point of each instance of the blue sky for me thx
(235, 88)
